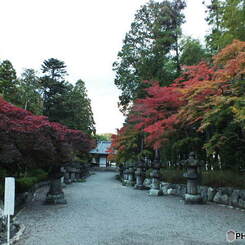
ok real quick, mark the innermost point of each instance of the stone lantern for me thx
(130, 181)
(125, 174)
(192, 196)
(139, 175)
(120, 169)
(155, 175)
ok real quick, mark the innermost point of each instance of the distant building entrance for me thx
(100, 154)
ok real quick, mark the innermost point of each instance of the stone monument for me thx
(155, 175)
(130, 181)
(139, 175)
(192, 196)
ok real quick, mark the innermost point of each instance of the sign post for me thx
(9, 197)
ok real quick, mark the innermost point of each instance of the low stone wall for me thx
(222, 195)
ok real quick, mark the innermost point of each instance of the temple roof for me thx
(101, 148)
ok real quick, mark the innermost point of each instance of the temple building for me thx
(100, 153)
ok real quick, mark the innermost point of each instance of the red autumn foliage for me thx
(155, 114)
(30, 140)
(191, 100)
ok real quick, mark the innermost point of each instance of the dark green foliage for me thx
(24, 184)
(54, 89)
(78, 111)
(172, 176)
(150, 49)
(54, 69)
(223, 179)
(63, 102)
(227, 21)
(29, 92)
(148, 173)
(40, 174)
(34, 176)
(8, 81)
(192, 52)
(219, 178)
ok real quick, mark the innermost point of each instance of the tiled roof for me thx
(101, 147)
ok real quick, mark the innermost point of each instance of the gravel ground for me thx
(103, 212)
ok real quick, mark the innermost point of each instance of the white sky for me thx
(86, 35)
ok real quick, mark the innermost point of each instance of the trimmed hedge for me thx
(34, 176)
(25, 183)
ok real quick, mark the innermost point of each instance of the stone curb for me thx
(17, 236)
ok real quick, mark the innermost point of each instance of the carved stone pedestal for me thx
(125, 175)
(155, 185)
(139, 176)
(192, 196)
(55, 194)
(130, 181)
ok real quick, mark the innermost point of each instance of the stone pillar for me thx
(78, 174)
(130, 181)
(55, 194)
(73, 174)
(155, 175)
(67, 179)
(192, 196)
(139, 176)
(125, 174)
(120, 167)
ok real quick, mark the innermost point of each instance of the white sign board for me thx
(9, 196)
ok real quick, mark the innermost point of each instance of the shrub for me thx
(172, 176)
(218, 178)
(40, 174)
(223, 178)
(25, 183)
(148, 172)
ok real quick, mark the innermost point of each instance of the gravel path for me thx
(103, 212)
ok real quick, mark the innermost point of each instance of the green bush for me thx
(172, 176)
(25, 183)
(218, 178)
(40, 174)
(148, 172)
(223, 178)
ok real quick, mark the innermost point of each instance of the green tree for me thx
(54, 89)
(29, 92)
(150, 49)
(8, 81)
(192, 52)
(227, 21)
(78, 108)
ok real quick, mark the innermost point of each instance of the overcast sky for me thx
(86, 35)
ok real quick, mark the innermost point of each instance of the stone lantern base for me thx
(139, 187)
(124, 182)
(55, 199)
(155, 192)
(193, 199)
(55, 194)
(130, 183)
